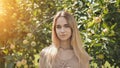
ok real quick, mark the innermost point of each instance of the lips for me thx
(62, 35)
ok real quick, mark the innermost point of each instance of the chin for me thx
(63, 39)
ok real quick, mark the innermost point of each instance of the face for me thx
(63, 29)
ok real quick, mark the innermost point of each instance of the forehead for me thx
(61, 20)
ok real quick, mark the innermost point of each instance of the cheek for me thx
(69, 31)
(57, 31)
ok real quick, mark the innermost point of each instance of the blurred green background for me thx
(25, 29)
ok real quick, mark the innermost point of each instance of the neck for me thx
(65, 44)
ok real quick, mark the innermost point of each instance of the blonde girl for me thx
(66, 50)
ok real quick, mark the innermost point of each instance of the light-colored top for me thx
(64, 59)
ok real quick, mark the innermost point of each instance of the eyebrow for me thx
(58, 25)
(64, 24)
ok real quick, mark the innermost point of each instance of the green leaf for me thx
(90, 24)
(98, 44)
(104, 25)
(113, 26)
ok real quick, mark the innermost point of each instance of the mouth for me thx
(62, 35)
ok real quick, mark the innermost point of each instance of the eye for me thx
(67, 25)
(58, 26)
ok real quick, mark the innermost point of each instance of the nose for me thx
(62, 30)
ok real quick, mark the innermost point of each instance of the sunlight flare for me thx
(2, 9)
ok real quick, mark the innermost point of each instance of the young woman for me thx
(66, 50)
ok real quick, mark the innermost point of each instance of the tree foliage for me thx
(25, 28)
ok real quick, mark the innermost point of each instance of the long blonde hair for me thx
(76, 41)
